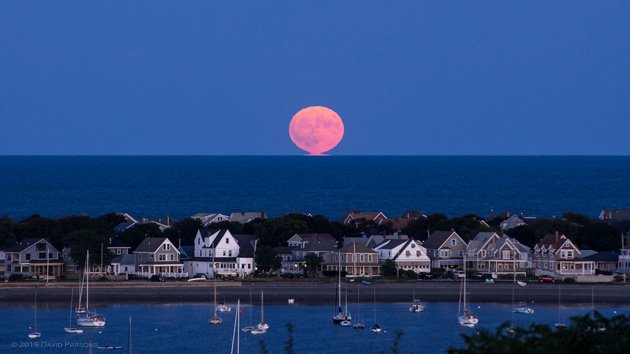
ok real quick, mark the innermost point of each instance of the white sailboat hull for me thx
(468, 320)
(34, 335)
(91, 322)
(73, 330)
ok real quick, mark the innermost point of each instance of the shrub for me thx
(16, 277)
(569, 280)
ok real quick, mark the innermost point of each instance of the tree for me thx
(596, 335)
(598, 236)
(389, 268)
(267, 259)
(524, 234)
(312, 262)
(184, 230)
(134, 235)
(7, 231)
(83, 240)
(275, 232)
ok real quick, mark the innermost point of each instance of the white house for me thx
(406, 254)
(123, 264)
(223, 254)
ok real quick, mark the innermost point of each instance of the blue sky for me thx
(225, 78)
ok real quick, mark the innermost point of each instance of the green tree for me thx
(598, 236)
(524, 234)
(183, 230)
(312, 262)
(83, 240)
(7, 231)
(276, 232)
(588, 334)
(134, 235)
(389, 268)
(267, 259)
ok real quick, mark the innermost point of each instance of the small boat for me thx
(376, 328)
(341, 315)
(34, 334)
(215, 319)
(223, 308)
(359, 324)
(291, 301)
(523, 308)
(262, 326)
(70, 329)
(559, 325)
(345, 323)
(465, 317)
(258, 331)
(89, 318)
(416, 306)
(250, 327)
(109, 347)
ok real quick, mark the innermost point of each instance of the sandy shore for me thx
(278, 292)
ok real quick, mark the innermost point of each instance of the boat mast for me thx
(262, 307)
(129, 347)
(71, 303)
(465, 308)
(87, 282)
(36, 309)
(339, 281)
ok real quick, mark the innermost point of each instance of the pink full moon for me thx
(316, 129)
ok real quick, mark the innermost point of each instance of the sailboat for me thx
(70, 329)
(89, 318)
(465, 317)
(236, 335)
(129, 346)
(416, 305)
(341, 315)
(223, 307)
(375, 327)
(250, 327)
(262, 327)
(559, 325)
(80, 309)
(359, 324)
(34, 334)
(215, 319)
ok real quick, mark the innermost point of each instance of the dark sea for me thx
(181, 186)
(184, 328)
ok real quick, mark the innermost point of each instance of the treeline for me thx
(84, 232)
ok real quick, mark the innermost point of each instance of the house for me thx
(446, 249)
(162, 223)
(355, 217)
(158, 256)
(222, 254)
(3, 258)
(210, 218)
(123, 264)
(556, 255)
(605, 262)
(356, 260)
(117, 246)
(406, 254)
(399, 223)
(376, 240)
(511, 223)
(623, 262)
(123, 226)
(33, 257)
(322, 245)
(243, 217)
(489, 252)
(361, 240)
(288, 263)
(614, 215)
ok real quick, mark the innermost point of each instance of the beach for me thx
(311, 292)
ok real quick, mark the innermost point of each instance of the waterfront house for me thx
(33, 257)
(446, 249)
(222, 254)
(322, 245)
(512, 222)
(406, 254)
(614, 215)
(3, 258)
(623, 262)
(491, 253)
(355, 217)
(243, 217)
(556, 255)
(210, 218)
(123, 264)
(605, 262)
(158, 256)
(356, 260)
(289, 265)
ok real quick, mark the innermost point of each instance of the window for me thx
(453, 242)
(161, 257)
(413, 245)
(227, 240)
(223, 253)
(28, 256)
(505, 254)
(230, 253)
(172, 257)
(418, 253)
(362, 259)
(41, 255)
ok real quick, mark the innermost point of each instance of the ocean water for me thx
(184, 328)
(326, 185)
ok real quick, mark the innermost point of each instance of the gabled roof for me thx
(318, 242)
(606, 256)
(391, 244)
(477, 243)
(244, 217)
(376, 240)
(151, 244)
(554, 241)
(437, 238)
(115, 242)
(246, 245)
(218, 236)
(413, 214)
(512, 222)
(355, 248)
(125, 259)
(26, 243)
(365, 215)
(359, 240)
(123, 226)
(186, 252)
